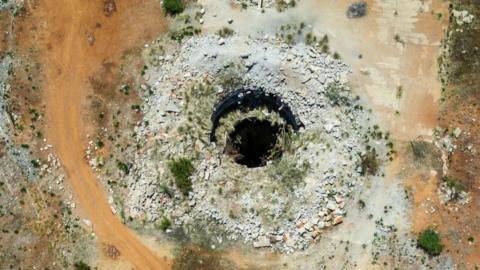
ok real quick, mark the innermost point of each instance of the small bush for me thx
(455, 184)
(123, 167)
(399, 93)
(282, 5)
(187, 31)
(165, 223)
(361, 204)
(421, 149)
(81, 266)
(369, 163)
(173, 7)
(225, 32)
(336, 96)
(181, 170)
(100, 144)
(429, 241)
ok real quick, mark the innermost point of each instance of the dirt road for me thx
(75, 38)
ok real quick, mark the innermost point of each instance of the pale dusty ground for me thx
(390, 64)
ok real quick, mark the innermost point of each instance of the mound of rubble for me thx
(288, 202)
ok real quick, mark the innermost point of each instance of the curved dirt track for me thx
(69, 60)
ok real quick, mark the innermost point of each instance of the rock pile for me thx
(463, 17)
(284, 205)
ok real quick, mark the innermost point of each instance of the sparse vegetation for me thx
(369, 163)
(288, 173)
(454, 184)
(193, 257)
(230, 78)
(399, 39)
(399, 93)
(225, 32)
(186, 31)
(335, 94)
(429, 241)
(282, 5)
(173, 7)
(123, 167)
(361, 204)
(420, 149)
(181, 170)
(165, 224)
(81, 266)
(461, 59)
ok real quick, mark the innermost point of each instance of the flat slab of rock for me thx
(262, 242)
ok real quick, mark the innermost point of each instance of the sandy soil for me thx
(61, 30)
(390, 64)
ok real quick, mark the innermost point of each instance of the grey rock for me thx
(357, 10)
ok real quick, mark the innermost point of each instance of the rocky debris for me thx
(109, 7)
(112, 252)
(296, 217)
(463, 17)
(357, 10)
(10, 4)
(453, 193)
(90, 38)
(262, 242)
(456, 132)
(337, 220)
(88, 223)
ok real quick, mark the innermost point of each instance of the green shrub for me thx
(165, 223)
(429, 241)
(81, 266)
(335, 93)
(282, 5)
(181, 170)
(187, 31)
(361, 204)
(173, 7)
(123, 167)
(225, 32)
(454, 184)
